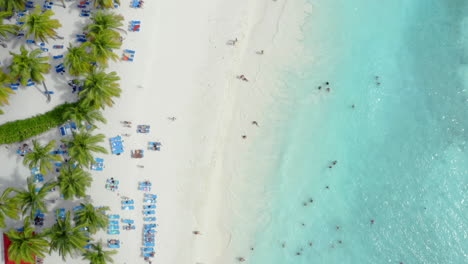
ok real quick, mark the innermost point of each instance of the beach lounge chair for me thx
(151, 206)
(57, 57)
(45, 49)
(57, 46)
(128, 227)
(128, 202)
(149, 244)
(149, 226)
(127, 221)
(114, 216)
(128, 207)
(30, 41)
(113, 227)
(148, 255)
(149, 212)
(113, 222)
(38, 178)
(113, 243)
(149, 195)
(144, 188)
(113, 232)
(149, 219)
(147, 249)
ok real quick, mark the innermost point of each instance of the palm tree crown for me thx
(77, 60)
(99, 88)
(6, 29)
(98, 256)
(66, 238)
(91, 217)
(27, 66)
(30, 200)
(8, 207)
(26, 245)
(105, 3)
(41, 156)
(81, 114)
(13, 5)
(5, 92)
(102, 45)
(73, 182)
(83, 144)
(105, 20)
(40, 25)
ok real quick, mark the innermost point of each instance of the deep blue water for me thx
(401, 152)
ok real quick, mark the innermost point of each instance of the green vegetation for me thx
(20, 130)
(105, 4)
(91, 217)
(39, 24)
(82, 145)
(65, 238)
(99, 256)
(7, 207)
(31, 200)
(13, 5)
(41, 157)
(98, 90)
(83, 115)
(77, 60)
(27, 66)
(7, 29)
(73, 181)
(26, 244)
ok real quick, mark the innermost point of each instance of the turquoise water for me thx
(401, 152)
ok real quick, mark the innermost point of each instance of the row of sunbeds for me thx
(149, 229)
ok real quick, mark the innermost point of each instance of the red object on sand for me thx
(6, 245)
(135, 28)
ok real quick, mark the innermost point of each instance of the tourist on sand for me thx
(244, 136)
(254, 123)
(196, 232)
(260, 52)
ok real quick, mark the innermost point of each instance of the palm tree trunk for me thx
(46, 91)
(63, 4)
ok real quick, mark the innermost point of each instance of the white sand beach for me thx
(207, 177)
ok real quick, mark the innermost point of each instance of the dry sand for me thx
(206, 176)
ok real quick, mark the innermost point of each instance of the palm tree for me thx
(40, 25)
(6, 29)
(26, 245)
(101, 45)
(73, 182)
(66, 238)
(13, 5)
(81, 114)
(82, 145)
(105, 3)
(8, 207)
(5, 92)
(27, 66)
(77, 60)
(105, 20)
(99, 256)
(30, 200)
(91, 217)
(41, 156)
(98, 90)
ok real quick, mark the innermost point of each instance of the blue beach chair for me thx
(113, 232)
(115, 216)
(149, 219)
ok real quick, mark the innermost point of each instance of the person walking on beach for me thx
(254, 123)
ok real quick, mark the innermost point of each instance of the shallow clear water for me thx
(401, 152)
